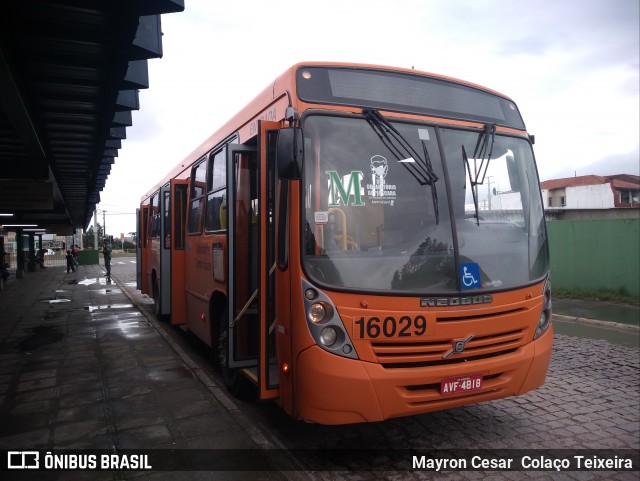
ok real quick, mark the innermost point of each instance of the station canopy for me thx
(70, 72)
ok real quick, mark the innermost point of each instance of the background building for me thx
(578, 197)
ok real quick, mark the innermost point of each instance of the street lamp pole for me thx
(95, 230)
(489, 189)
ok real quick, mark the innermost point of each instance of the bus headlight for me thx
(317, 312)
(328, 336)
(324, 323)
(544, 321)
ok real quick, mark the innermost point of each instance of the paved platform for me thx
(81, 367)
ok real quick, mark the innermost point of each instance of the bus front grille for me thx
(394, 355)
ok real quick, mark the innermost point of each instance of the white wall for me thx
(590, 197)
(599, 196)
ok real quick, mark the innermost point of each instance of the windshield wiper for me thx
(421, 169)
(484, 148)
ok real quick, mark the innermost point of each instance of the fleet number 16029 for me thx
(375, 327)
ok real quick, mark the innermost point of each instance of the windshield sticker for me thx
(378, 190)
(322, 217)
(470, 275)
(338, 195)
(423, 134)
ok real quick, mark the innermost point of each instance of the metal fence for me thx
(56, 259)
(593, 254)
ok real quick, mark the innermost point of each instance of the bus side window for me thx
(216, 218)
(166, 199)
(196, 201)
(154, 214)
(180, 201)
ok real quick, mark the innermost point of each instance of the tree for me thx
(87, 237)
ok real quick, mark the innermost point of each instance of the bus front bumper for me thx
(334, 390)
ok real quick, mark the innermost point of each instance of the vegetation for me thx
(87, 237)
(87, 240)
(602, 294)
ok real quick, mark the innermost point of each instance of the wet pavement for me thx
(610, 321)
(600, 310)
(81, 367)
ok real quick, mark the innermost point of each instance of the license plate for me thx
(455, 385)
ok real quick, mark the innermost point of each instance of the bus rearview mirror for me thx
(290, 153)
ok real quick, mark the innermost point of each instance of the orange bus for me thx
(359, 243)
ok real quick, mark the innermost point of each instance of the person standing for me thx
(40, 257)
(70, 264)
(106, 252)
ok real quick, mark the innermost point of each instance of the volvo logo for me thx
(459, 346)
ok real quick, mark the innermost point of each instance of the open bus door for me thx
(138, 252)
(142, 256)
(174, 241)
(251, 261)
(163, 300)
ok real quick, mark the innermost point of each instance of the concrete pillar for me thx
(31, 263)
(19, 254)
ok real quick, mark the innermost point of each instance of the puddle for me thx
(95, 280)
(55, 300)
(169, 374)
(42, 336)
(132, 329)
(107, 306)
(107, 291)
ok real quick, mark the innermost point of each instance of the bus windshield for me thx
(380, 216)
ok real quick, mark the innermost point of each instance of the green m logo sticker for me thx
(338, 193)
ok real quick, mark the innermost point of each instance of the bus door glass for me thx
(243, 256)
(164, 221)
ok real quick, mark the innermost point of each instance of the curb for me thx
(620, 326)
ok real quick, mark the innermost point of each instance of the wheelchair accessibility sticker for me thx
(470, 275)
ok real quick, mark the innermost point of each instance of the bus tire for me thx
(157, 301)
(234, 381)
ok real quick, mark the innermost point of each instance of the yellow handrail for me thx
(344, 226)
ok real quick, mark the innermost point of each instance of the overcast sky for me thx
(572, 67)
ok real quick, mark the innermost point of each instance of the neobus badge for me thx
(455, 301)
